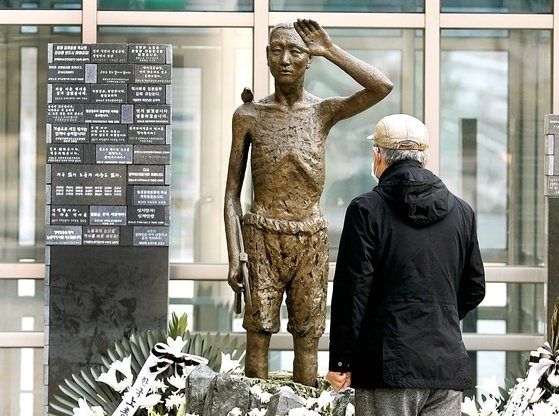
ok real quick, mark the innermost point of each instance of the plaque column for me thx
(108, 197)
(551, 130)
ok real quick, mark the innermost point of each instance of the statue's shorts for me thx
(291, 258)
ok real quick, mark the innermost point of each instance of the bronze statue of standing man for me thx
(284, 232)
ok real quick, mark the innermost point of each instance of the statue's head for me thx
(287, 54)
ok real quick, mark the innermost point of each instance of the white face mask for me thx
(373, 167)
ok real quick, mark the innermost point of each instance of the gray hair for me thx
(391, 156)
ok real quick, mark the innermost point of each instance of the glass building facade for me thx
(479, 73)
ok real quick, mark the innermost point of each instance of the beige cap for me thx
(400, 131)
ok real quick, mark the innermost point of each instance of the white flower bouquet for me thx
(535, 394)
(126, 385)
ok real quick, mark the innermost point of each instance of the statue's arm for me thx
(376, 85)
(238, 159)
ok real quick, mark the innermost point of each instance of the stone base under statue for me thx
(217, 394)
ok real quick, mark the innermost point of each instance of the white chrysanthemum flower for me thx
(489, 407)
(311, 402)
(179, 382)
(260, 394)
(228, 364)
(174, 400)
(543, 409)
(149, 401)
(257, 412)
(490, 386)
(176, 345)
(85, 410)
(538, 393)
(235, 412)
(110, 378)
(256, 390)
(325, 400)
(157, 386)
(554, 400)
(349, 410)
(265, 397)
(469, 407)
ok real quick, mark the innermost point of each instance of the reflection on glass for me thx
(494, 94)
(509, 308)
(208, 305)
(179, 5)
(387, 6)
(25, 301)
(22, 138)
(496, 6)
(40, 4)
(398, 54)
(27, 146)
(21, 384)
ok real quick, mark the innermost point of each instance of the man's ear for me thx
(267, 52)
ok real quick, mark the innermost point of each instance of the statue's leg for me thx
(305, 365)
(256, 359)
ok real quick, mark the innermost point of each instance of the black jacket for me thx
(408, 270)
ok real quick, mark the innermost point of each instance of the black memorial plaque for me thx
(66, 73)
(552, 186)
(146, 53)
(152, 215)
(65, 113)
(68, 215)
(108, 133)
(146, 175)
(63, 235)
(109, 93)
(152, 154)
(67, 133)
(149, 134)
(65, 153)
(152, 114)
(75, 52)
(115, 73)
(109, 53)
(108, 182)
(107, 215)
(147, 94)
(152, 74)
(102, 113)
(88, 184)
(69, 93)
(151, 236)
(101, 235)
(150, 195)
(114, 153)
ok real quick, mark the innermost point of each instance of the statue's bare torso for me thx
(288, 157)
